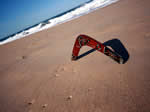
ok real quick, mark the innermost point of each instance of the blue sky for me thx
(16, 15)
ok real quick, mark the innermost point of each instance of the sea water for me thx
(73, 13)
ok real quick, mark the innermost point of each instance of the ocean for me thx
(59, 19)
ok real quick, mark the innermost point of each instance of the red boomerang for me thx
(83, 40)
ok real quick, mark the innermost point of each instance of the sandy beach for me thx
(37, 74)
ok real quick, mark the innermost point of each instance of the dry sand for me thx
(36, 73)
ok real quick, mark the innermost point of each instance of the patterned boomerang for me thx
(83, 40)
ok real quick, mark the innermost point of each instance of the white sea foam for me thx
(85, 9)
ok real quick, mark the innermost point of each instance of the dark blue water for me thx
(59, 18)
(16, 16)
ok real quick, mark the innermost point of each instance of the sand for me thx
(37, 74)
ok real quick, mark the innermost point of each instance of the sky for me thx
(16, 15)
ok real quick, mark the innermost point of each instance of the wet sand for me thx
(37, 74)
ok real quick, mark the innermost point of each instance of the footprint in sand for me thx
(31, 102)
(24, 57)
(69, 97)
(21, 57)
(69, 67)
(57, 75)
(44, 106)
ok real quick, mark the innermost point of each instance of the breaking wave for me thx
(69, 15)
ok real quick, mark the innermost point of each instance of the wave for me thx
(59, 19)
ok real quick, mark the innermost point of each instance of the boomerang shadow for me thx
(116, 46)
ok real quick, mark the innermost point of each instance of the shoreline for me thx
(69, 15)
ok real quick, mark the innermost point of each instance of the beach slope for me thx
(37, 74)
